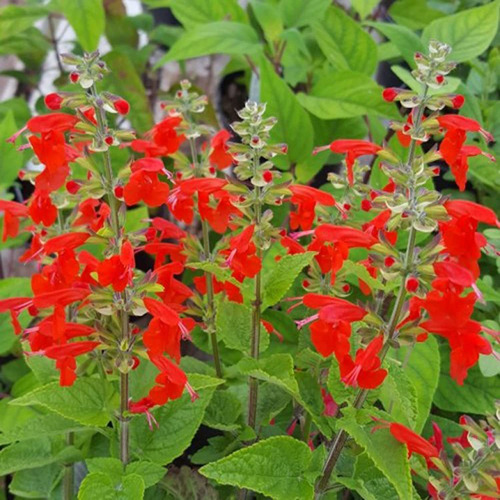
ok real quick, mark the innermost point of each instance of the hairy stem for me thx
(253, 382)
(341, 437)
(69, 472)
(124, 318)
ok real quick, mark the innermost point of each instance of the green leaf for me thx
(402, 38)
(101, 485)
(178, 422)
(34, 453)
(274, 467)
(272, 400)
(346, 94)
(297, 13)
(364, 7)
(11, 160)
(12, 287)
(88, 20)
(388, 455)
(88, 400)
(360, 271)
(150, 472)
(422, 370)
(477, 395)
(134, 219)
(284, 272)
(294, 126)
(35, 483)
(199, 12)
(15, 19)
(233, 322)
(221, 37)
(414, 14)
(185, 482)
(344, 43)
(269, 19)
(43, 425)
(126, 82)
(399, 397)
(223, 411)
(469, 33)
(339, 391)
(405, 76)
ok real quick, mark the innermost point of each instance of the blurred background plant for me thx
(320, 66)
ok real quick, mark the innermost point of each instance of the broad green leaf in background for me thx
(223, 411)
(120, 29)
(389, 455)
(101, 485)
(222, 37)
(126, 82)
(346, 94)
(88, 400)
(12, 287)
(364, 7)
(234, 326)
(198, 12)
(280, 279)
(338, 390)
(469, 32)
(11, 160)
(294, 126)
(402, 38)
(422, 370)
(414, 14)
(477, 395)
(15, 19)
(275, 467)
(35, 483)
(344, 43)
(87, 19)
(269, 19)
(297, 13)
(178, 422)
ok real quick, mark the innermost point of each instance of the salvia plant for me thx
(314, 310)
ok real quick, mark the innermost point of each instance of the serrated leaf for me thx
(11, 160)
(346, 94)
(35, 483)
(414, 14)
(274, 467)
(477, 395)
(178, 422)
(272, 400)
(388, 455)
(338, 390)
(101, 485)
(422, 370)
(150, 472)
(299, 13)
(222, 37)
(196, 12)
(281, 278)
(294, 125)
(223, 411)
(469, 33)
(233, 322)
(88, 20)
(344, 43)
(87, 401)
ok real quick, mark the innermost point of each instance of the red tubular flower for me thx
(459, 208)
(61, 297)
(122, 106)
(306, 198)
(460, 166)
(351, 237)
(333, 309)
(65, 242)
(449, 273)
(53, 122)
(41, 210)
(53, 101)
(390, 93)
(379, 223)
(161, 140)
(65, 358)
(219, 156)
(13, 211)
(449, 317)
(144, 184)
(170, 382)
(330, 338)
(364, 371)
(329, 256)
(241, 255)
(93, 214)
(414, 442)
(161, 311)
(354, 148)
(118, 270)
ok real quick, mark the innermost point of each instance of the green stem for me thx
(69, 472)
(306, 429)
(124, 319)
(340, 440)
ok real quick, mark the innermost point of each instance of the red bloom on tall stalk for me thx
(306, 198)
(219, 155)
(144, 184)
(162, 139)
(13, 211)
(241, 257)
(118, 270)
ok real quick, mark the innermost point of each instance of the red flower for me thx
(41, 209)
(118, 270)
(449, 273)
(306, 198)
(379, 223)
(93, 214)
(459, 208)
(13, 211)
(65, 358)
(161, 140)
(65, 242)
(354, 148)
(53, 122)
(241, 255)
(449, 317)
(219, 155)
(144, 184)
(364, 371)
(414, 442)
(121, 106)
(351, 237)
(53, 101)
(460, 166)
(330, 338)
(333, 309)
(170, 382)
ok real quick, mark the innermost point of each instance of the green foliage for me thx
(100, 484)
(276, 467)
(198, 12)
(14, 19)
(87, 19)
